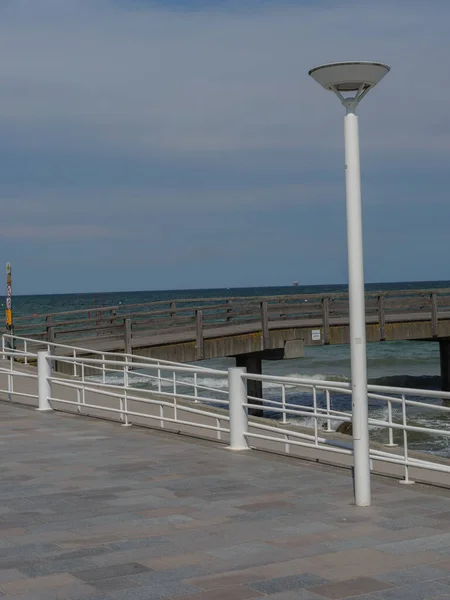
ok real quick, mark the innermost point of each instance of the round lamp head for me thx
(349, 76)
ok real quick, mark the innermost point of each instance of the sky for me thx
(181, 144)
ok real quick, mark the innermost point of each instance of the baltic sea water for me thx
(404, 364)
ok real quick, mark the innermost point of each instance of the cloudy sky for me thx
(181, 144)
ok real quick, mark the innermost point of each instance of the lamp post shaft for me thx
(357, 312)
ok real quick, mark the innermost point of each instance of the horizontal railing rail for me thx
(17, 346)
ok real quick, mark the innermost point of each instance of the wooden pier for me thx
(249, 328)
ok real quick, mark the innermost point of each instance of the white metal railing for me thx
(19, 346)
(111, 391)
(203, 399)
(391, 397)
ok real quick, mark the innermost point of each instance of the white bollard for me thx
(44, 385)
(237, 396)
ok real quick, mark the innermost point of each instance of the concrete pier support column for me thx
(444, 348)
(253, 363)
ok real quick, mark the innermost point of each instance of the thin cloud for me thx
(55, 232)
(214, 81)
(198, 136)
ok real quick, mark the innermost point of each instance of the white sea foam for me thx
(299, 394)
(137, 378)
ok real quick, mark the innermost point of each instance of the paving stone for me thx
(180, 560)
(443, 563)
(137, 543)
(428, 590)
(57, 594)
(194, 520)
(357, 597)
(350, 587)
(8, 575)
(117, 558)
(45, 583)
(45, 567)
(225, 580)
(115, 584)
(409, 576)
(113, 571)
(299, 594)
(28, 550)
(382, 563)
(348, 544)
(233, 593)
(83, 553)
(73, 592)
(291, 582)
(257, 548)
(85, 541)
(306, 528)
(433, 542)
(154, 592)
(160, 577)
(261, 506)
(94, 597)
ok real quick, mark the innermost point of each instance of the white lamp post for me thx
(351, 81)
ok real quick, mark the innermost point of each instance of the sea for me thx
(408, 364)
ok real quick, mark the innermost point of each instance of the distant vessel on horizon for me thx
(295, 283)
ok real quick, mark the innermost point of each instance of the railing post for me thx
(195, 387)
(282, 302)
(390, 443)
(237, 397)
(50, 329)
(74, 354)
(326, 320)
(199, 346)
(328, 403)
(406, 480)
(127, 336)
(44, 385)
(229, 310)
(434, 314)
(264, 326)
(381, 318)
(173, 308)
(50, 333)
(10, 380)
(126, 384)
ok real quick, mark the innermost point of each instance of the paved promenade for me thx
(95, 511)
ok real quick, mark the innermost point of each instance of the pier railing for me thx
(198, 315)
(213, 403)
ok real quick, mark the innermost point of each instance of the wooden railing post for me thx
(51, 338)
(200, 346)
(434, 314)
(173, 308)
(326, 320)
(50, 329)
(127, 332)
(229, 310)
(381, 318)
(282, 302)
(264, 325)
